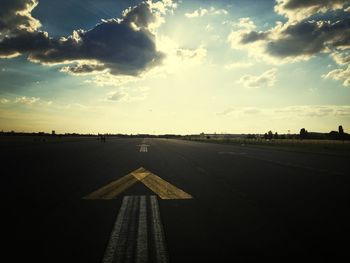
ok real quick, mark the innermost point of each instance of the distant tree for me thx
(341, 132)
(275, 136)
(270, 135)
(251, 136)
(303, 133)
(333, 135)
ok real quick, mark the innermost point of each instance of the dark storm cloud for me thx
(300, 9)
(301, 39)
(81, 69)
(297, 4)
(253, 36)
(122, 46)
(116, 45)
(24, 41)
(304, 38)
(309, 38)
(15, 15)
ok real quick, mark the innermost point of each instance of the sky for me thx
(179, 67)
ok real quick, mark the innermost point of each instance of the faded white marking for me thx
(142, 237)
(115, 235)
(143, 148)
(233, 153)
(129, 238)
(158, 232)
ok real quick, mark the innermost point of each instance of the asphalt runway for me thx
(246, 204)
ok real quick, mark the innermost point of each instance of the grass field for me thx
(30, 139)
(309, 145)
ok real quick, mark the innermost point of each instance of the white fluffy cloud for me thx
(241, 111)
(117, 96)
(195, 54)
(206, 11)
(244, 23)
(27, 100)
(341, 58)
(266, 79)
(124, 95)
(341, 74)
(179, 59)
(237, 65)
(313, 111)
(302, 37)
(4, 101)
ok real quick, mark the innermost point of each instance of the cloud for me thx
(313, 111)
(293, 42)
(197, 13)
(179, 59)
(297, 10)
(341, 58)
(240, 111)
(308, 38)
(227, 111)
(251, 111)
(302, 37)
(204, 11)
(192, 54)
(342, 74)
(27, 100)
(266, 79)
(15, 15)
(245, 23)
(117, 96)
(38, 103)
(107, 79)
(4, 101)
(238, 64)
(122, 46)
(209, 28)
(85, 68)
(121, 95)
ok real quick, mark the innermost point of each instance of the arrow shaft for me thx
(129, 238)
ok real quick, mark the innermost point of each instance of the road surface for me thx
(246, 204)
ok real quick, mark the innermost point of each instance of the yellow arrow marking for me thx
(159, 186)
(140, 173)
(164, 189)
(113, 189)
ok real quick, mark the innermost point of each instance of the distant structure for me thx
(303, 134)
(217, 135)
(53, 132)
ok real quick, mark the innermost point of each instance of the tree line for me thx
(304, 134)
